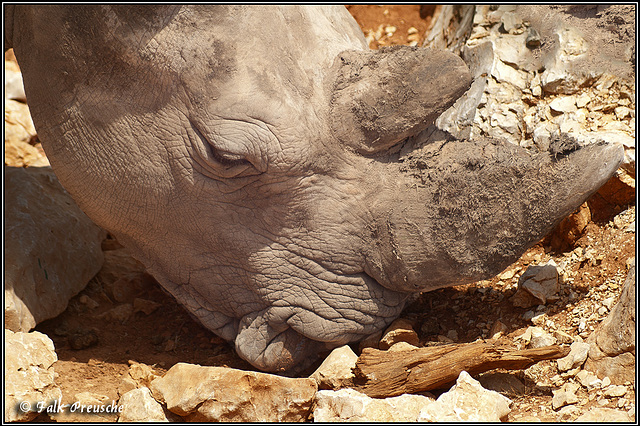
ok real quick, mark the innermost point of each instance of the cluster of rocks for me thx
(198, 393)
(188, 392)
(531, 86)
(467, 400)
(599, 368)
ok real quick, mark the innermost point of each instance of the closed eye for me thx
(217, 163)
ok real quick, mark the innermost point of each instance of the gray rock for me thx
(510, 21)
(336, 370)
(467, 401)
(504, 383)
(139, 406)
(52, 249)
(613, 342)
(29, 378)
(228, 395)
(349, 405)
(540, 282)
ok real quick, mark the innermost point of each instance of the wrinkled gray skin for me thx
(273, 173)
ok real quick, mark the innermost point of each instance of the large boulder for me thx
(29, 378)
(613, 343)
(219, 394)
(52, 249)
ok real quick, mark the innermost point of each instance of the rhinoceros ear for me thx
(380, 97)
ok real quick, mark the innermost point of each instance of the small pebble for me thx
(533, 39)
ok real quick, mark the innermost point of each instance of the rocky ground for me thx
(122, 331)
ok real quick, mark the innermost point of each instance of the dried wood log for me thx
(382, 374)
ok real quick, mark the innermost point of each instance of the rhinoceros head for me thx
(275, 175)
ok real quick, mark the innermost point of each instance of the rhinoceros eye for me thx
(211, 159)
(227, 158)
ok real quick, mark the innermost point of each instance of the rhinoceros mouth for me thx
(286, 337)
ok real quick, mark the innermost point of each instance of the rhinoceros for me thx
(281, 180)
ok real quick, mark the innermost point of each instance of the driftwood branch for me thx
(383, 373)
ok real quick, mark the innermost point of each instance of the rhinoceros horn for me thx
(382, 97)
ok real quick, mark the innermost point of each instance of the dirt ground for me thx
(389, 25)
(123, 316)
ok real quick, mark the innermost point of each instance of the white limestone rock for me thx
(139, 406)
(29, 377)
(336, 369)
(220, 394)
(576, 357)
(349, 405)
(467, 401)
